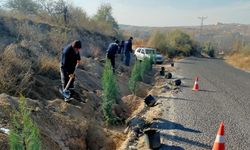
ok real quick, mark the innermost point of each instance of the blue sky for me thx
(172, 12)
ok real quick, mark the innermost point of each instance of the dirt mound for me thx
(133, 104)
(62, 125)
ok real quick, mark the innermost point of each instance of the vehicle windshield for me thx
(150, 51)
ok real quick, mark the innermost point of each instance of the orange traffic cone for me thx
(219, 143)
(196, 86)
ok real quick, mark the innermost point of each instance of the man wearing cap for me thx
(69, 60)
(112, 49)
(128, 49)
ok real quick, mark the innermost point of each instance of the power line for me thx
(202, 18)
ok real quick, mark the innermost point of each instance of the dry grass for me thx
(15, 71)
(78, 19)
(95, 51)
(49, 66)
(139, 43)
(240, 60)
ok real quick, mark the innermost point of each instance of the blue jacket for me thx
(128, 47)
(112, 49)
(69, 59)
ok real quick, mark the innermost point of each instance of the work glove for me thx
(72, 75)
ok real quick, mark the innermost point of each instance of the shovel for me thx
(65, 92)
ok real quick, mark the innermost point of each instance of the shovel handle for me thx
(70, 79)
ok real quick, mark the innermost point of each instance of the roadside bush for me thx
(209, 49)
(110, 93)
(158, 40)
(180, 42)
(24, 134)
(175, 43)
(170, 52)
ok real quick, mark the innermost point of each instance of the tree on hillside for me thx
(25, 6)
(104, 14)
(78, 17)
(47, 6)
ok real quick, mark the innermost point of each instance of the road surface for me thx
(191, 119)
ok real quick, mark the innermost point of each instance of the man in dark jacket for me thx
(70, 58)
(112, 49)
(121, 49)
(128, 50)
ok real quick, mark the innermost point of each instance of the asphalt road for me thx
(191, 119)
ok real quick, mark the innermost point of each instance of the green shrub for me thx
(138, 72)
(171, 52)
(135, 77)
(110, 93)
(174, 43)
(158, 40)
(24, 134)
(209, 49)
(145, 66)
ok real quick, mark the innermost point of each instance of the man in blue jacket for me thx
(128, 49)
(112, 49)
(70, 58)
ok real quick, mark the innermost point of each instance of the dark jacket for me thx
(112, 49)
(128, 47)
(69, 59)
(121, 48)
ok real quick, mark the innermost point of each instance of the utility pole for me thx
(202, 18)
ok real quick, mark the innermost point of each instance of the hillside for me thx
(29, 56)
(223, 36)
(29, 61)
(31, 50)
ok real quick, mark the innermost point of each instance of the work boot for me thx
(68, 99)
